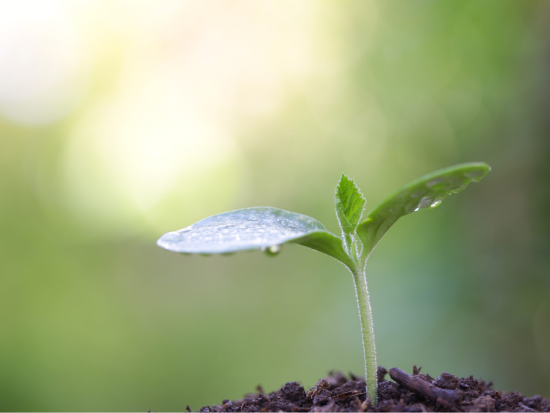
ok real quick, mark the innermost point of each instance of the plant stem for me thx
(367, 330)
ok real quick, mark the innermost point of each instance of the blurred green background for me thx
(122, 120)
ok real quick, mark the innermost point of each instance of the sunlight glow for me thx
(159, 146)
(42, 70)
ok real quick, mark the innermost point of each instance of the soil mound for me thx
(407, 393)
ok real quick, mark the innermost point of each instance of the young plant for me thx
(269, 228)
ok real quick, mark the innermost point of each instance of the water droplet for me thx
(461, 187)
(476, 176)
(411, 207)
(272, 250)
(416, 209)
(435, 181)
(436, 203)
(426, 201)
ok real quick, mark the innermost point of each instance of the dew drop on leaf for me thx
(476, 176)
(272, 250)
(436, 203)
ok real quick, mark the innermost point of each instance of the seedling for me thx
(269, 228)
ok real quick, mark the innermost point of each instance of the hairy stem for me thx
(367, 330)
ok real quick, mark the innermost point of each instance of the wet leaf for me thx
(250, 229)
(425, 192)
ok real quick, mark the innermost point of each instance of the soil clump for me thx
(407, 393)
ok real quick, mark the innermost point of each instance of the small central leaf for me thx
(349, 204)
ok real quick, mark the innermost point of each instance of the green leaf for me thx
(425, 192)
(327, 243)
(251, 229)
(349, 204)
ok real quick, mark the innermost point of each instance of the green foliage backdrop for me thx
(120, 123)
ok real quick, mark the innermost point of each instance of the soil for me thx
(407, 393)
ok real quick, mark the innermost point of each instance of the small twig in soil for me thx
(348, 394)
(448, 398)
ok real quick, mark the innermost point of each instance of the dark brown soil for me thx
(408, 393)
